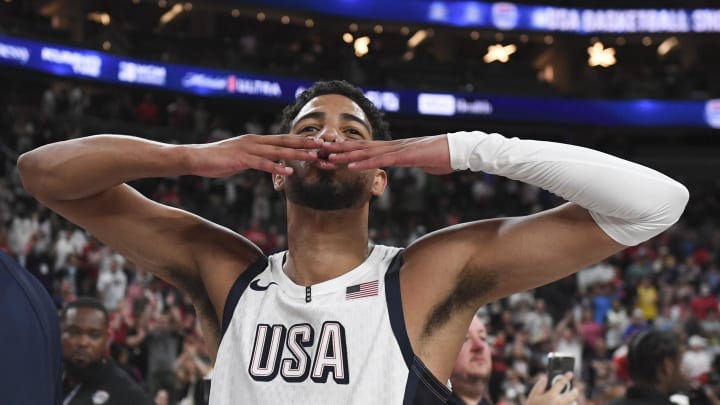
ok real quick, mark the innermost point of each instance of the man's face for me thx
(474, 361)
(323, 185)
(84, 336)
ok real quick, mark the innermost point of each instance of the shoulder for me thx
(124, 387)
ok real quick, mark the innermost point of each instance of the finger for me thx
(269, 166)
(561, 383)
(273, 152)
(384, 160)
(291, 141)
(349, 146)
(358, 155)
(571, 396)
(539, 386)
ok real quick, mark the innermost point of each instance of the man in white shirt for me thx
(111, 285)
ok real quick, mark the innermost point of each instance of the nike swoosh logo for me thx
(255, 285)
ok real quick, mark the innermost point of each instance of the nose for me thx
(83, 340)
(476, 343)
(329, 134)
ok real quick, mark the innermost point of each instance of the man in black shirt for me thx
(653, 361)
(91, 378)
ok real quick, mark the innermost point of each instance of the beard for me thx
(326, 192)
(83, 374)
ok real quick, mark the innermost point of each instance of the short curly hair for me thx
(380, 127)
(646, 353)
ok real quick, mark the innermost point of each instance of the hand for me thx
(261, 152)
(429, 153)
(538, 395)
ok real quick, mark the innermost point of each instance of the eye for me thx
(354, 133)
(309, 128)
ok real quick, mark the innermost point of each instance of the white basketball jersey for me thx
(342, 341)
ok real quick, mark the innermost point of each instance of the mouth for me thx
(322, 161)
(81, 359)
(324, 164)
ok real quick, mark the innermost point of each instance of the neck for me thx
(649, 386)
(471, 392)
(325, 244)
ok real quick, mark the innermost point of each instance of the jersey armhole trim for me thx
(237, 289)
(422, 386)
(395, 310)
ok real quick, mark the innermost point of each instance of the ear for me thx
(665, 370)
(278, 182)
(379, 182)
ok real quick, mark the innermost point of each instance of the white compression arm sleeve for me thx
(630, 202)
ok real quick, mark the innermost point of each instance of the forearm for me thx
(630, 202)
(83, 167)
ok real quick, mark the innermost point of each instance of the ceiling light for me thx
(417, 38)
(667, 45)
(362, 46)
(601, 56)
(499, 53)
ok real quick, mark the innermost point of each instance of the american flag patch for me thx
(361, 290)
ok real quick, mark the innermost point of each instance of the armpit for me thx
(469, 290)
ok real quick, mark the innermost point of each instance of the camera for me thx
(559, 364)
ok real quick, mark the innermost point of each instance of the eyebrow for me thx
(344, 116)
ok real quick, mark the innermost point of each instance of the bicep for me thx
(534, 250)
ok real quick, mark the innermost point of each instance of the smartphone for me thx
(559, 364)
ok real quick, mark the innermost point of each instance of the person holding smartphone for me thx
(471, 373)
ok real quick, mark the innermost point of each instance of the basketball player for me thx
(336, 319)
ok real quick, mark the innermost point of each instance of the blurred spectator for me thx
(616, 323)
(163, 345)
(569, 342)
(590, 330)
(147, 112)
(539, 323)
(190, 368)
(654, 366)
(90, 376)
(472, 369)
(704, 303)
(647, 299)
(697, 360)
(111, 285)
(637, 324)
